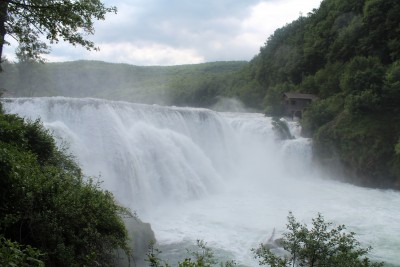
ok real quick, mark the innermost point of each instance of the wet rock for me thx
(141, 236)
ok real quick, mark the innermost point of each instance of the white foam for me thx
(221, 177)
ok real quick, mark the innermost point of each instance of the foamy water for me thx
(224, 178)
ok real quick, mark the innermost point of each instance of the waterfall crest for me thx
(225, 178)
(145, 154)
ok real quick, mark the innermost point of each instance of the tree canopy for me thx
(315, 246)
(184, 85)
(347, 54)
(27, 21)
(50, 211)
(320, 245)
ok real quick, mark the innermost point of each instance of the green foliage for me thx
(397, 148)
(46, 202)
(365, 145)
(194, 85)
(273, 100)
(361, 129)
(393, 74)
(203, 257)
(349, 28)
(391, 89)
(321, 245)
(381, 24)
(200, 85)
(365, 101)
(362, 74)
(70, 21)
(13, 254)
(346, 53)
(320, 113)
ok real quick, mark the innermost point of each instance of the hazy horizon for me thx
(155, 33)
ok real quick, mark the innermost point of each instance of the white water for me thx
(220, 177)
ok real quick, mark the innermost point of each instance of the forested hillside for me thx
(348, 54)
(50, 213)
(171, 85)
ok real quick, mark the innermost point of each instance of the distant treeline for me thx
(347, 53)
(170, 85)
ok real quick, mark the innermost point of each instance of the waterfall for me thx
(144, 154)
(225, 178)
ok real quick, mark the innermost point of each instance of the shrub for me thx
(362, 73)
(13, 254)
(321, 245)
(47, 203)
(204, 257)
(320, 113)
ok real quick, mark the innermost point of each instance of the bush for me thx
(363, 103)
(13, 254)
(273, 99)
(319, 113)
(47, 203)
(321, 245)
(204, 257)
(362, 73)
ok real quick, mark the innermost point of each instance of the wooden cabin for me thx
(296, 103)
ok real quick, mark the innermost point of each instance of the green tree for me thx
(273, 99)
(47, 203)
(13, 254)
(68, 20)
(321, 245)
(361, 74)
(203, 257)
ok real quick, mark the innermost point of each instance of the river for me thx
(225, 178)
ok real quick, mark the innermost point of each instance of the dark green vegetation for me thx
(192, 85)
(348, 54)
(345, 52)
(202, 257)
(28, 21)
(321, 245)
(14, 254)
(49, 211)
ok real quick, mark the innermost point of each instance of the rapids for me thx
(224, 178)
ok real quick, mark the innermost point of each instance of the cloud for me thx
(147, 54)
(213, 30)
(266, 17)
(159, 32)
(142, 54)
(207, 28)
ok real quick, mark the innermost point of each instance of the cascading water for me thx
(224, 178)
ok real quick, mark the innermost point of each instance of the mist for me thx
(230, 104)
(168, 85)
(222, 177)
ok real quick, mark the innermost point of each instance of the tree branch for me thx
(26, 6)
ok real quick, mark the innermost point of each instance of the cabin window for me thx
(293, 102)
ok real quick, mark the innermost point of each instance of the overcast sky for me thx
(172, 32)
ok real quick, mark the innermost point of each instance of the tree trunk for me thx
(3, 19)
